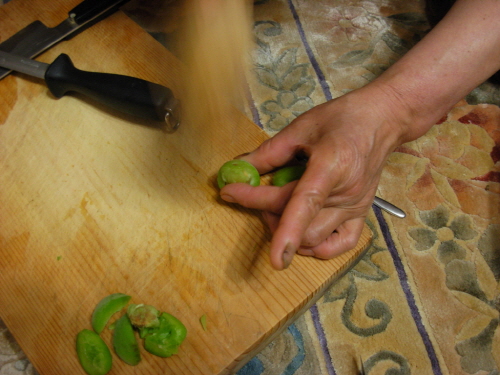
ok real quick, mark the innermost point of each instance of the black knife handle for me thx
(88, 9)
(129, 95)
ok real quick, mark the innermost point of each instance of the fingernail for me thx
(228, 198)
(288, 255)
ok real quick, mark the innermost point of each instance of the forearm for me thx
(460, 53)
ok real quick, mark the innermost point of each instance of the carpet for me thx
(425, 299)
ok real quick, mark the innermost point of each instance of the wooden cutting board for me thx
(93, 202)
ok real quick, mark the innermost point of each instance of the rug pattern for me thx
(425, 299)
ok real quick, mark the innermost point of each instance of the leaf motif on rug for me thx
(477, 351)
(471, 276)
(478, 343)
(489, 245)
(290, 83)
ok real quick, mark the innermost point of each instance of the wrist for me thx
(405, 101)
(400, 118)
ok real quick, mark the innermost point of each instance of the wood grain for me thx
(93, 202)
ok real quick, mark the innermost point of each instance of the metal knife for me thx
(389, 207)
(129, 95)
(36, 37)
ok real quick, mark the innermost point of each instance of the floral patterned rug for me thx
(425, 299)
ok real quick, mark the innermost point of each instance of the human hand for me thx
(346, 141)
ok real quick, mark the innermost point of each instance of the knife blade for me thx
(36, 37)
(126, 94)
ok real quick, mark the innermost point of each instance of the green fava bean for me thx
(164, 341)
(238, 171)
(93, 353)
(125, 342)
(143, 316)
(106, 308)
(288, 174)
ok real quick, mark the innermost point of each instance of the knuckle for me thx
(267, 145)
(349, 243)
(314, 199)
(312, 238)
(268, 156)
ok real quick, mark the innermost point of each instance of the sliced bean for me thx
(93, 353)
(105, 309)
(125, 342)
(164, 341)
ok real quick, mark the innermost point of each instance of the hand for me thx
(347, 141)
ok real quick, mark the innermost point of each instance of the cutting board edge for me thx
(239, 362)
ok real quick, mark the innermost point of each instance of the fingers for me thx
(265, 198)
(325, 232)
(345, 238)
(271, 154)
(306, 201)
(324, 224)
(280, 149)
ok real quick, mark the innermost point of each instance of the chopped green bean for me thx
(106, 308)
(203, 322)
(125, 342)
(93, 353)
(164, 341)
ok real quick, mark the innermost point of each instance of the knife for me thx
(389, 207)
(36, 37)
(129, 95)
